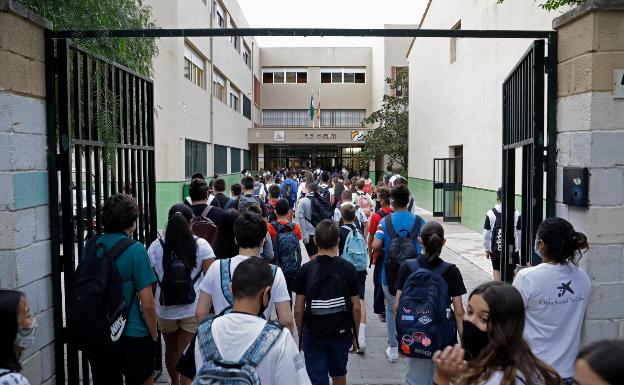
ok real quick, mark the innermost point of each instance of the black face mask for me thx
(474, 340)
(263, 307)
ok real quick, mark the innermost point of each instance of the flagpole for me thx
(319, 107)
(312, 104)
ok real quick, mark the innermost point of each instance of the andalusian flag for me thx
(312, 107)
(318, 108)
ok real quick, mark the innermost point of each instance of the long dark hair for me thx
(563, 244)
(226, 244)
(432, 236)
(605, 358)
(9, 305)
(178, 236)
(507, 350)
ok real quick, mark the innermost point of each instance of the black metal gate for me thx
(523, 129)
(100, 142)
(447, 188)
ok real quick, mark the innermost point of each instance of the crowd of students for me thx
(218, 285)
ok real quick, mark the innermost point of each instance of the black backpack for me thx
(400, 250)
(496, 243)
(324, 193)
(328, 303)
(177, 287)
(97, 311)
(321, 209)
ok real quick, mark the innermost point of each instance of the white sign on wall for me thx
(618, 83)
(278, 136)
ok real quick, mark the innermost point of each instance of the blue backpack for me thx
(425, 321)
(355, 250)
(215, 370)
(286, 248)
(226, 278)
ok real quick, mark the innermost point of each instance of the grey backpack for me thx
(215, 370)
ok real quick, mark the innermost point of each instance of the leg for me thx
(496, 267)
(138, 360)
(315, 359)
(105, 369)
(171, 355)
(390, 318)
(378, 300)
(419, 371)
(184, 339)
(338, 356)
(362, 327)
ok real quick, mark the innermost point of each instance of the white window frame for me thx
(235, 93)
(195, 62)
(218, 87)
(234, 40)
(218, 12)
(247, 53)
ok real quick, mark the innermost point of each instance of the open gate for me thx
(101, 142)
(447, 188)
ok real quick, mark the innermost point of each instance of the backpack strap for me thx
(259, 348)
(416, 228)
(442, 268)
(226, 278)
(207, 347)
(122, 245)
(228, 204)
(206, 211)
(390, 227)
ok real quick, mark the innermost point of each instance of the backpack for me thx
(400, 250)
(327, 301)
(496, 243)
(271, 211)
(226, 278)
(364, 203)
(204, 227)
(321, 209)
(215, 370)
(246, 201)
(256, 189)
(424, 321)
(286, 248)
(228, 204)
(97, 311)
(288, 193)
(177, 287)
(355, 250)
(324, 193)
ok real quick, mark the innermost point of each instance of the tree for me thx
(552, 5)
(134, 53)
(390, 137)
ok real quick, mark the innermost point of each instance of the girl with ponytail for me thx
(555, 295)
(177, 322)
(420, 371)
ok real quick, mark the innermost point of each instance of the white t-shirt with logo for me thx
(175, 312)
(235, 332)
(211, 284)
(555, 298)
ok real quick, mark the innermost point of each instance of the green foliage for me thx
(391, 135)
(552, 5)
(134, 53)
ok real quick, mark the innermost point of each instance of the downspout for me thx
(211, 129)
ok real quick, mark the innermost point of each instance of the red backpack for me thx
(204, 227)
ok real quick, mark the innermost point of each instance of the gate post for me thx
(591, 134)
(25, 252)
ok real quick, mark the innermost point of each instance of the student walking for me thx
(360, 219)
(493, 235)
(312, 210)
(364, 202)
(179, 260)
(427, 287)
(289, 189)
(555, 295)
(248, 198)
(221, 200)
(327, 309)
(198, 191)
(17, 333)
(376, 258)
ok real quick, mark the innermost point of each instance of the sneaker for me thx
(362, 344)
(392, 354)
(382, 317)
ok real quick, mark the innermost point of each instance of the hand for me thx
(353, 345)
(488, 254)
(449, 363)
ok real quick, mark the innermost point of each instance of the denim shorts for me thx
(325, 358)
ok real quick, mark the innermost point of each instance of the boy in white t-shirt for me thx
(250, 233)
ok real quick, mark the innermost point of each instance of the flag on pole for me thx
(318, 108)
(312, 108)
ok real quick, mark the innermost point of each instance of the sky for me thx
(328, 14)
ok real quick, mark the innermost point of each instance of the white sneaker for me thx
(392, 354)
(362, 344)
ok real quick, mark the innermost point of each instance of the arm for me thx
(356, 311)
(299, 308)
(378, 245)
(487, 235)
(396, 301)
(204, 304)
(206, 264)
(458, 308)
(284, 315)
(149, 311)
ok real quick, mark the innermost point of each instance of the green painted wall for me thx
(422, 191)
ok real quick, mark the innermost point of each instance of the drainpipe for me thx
(211, 130)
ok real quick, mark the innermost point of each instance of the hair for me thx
(226, 246)
(282, 207)
(346, 196)
(9, 306)
(119, 213)
(278, 180)
(347, 212)
(274, 191)
(347, 183)
(499, 194)
(605, 359)
(198, 190)
(561, 242)
(218, 185)
(364, 174)
(432, 236)
(198, 175)
(326, 234)
(309, 178)
(383, 193)
(400, 181)
(249, 230)
(248, 183)
(268, 178)
(381, 183)
(254, 209)
(236, 189)
(507, 350)
(288, 174)
(178, 237)
(360, 184)
(210, 185)
(250, 278)
(325, 176)
(257, 178)
(313, 187)
(400, 195)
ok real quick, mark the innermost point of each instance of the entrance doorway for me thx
(447, 188)
(326, 157)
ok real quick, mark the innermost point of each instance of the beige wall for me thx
(305, 136)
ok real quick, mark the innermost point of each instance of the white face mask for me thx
(25, 337)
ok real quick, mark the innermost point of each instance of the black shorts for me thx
(496, 260)
(362, 283)
(135, 361)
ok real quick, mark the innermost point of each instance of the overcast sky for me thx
(328, 14)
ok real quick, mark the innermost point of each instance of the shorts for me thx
(323, 357)
(134, 361)
(188, 324)
(496, 260)
(362, 283)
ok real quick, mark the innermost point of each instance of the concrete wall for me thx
(591, 134)
(25, 253)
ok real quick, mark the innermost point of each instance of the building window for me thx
(218, 87)
(455, 44)
(235, 160)
(343, 75)
(246, 159)
(400, 77)
(235, 40)
(194, 66)
(285, 118)
(246, 107)
(285, 75)
(247, 56)
(218, 13)
(256, 91)
(342, 118)
(194, 158)
(235, 99)
(220, 160)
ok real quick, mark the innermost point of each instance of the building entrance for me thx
(325, 157)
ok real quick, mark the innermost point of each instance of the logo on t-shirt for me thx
(565, 287)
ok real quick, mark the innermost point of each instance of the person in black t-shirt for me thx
(198, 191)
(248, 184)
(221, 200)
(432, 238)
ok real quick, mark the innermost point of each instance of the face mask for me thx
(263, 307)
(474, 340)
(536, 249)
(25, 337)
